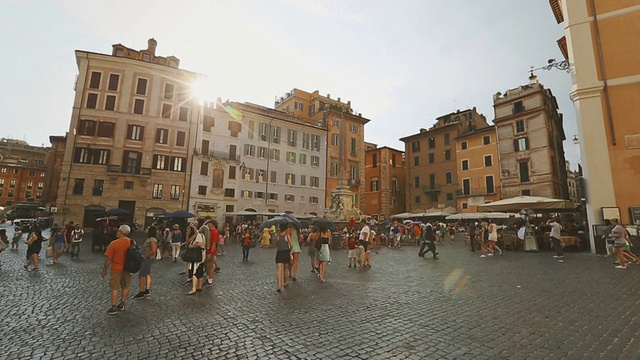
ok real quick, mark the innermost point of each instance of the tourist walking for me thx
(619, 235)
(33, 249)
(365, 236)
(312, 239)
(484, 237)
(119, 278)
(246, 244)
(149, 249)
(77, 235)
(15, 239)
(324, 255)
(428, 242)
(222, 238)
(196, 264)
(176, 241)
(283, 257)
(295, 252)
(556, 237)
(493, 237)
(211, 253)
(58, 243)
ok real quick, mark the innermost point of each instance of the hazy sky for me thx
(402, 63)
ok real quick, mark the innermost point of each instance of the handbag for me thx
(192, 255)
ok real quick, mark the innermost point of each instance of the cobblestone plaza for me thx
(518, 306)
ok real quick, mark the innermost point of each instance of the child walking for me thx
(352, 245)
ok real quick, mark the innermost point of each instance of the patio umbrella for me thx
(322, 223)
(292, 219)
(117, 211)
(180, 214)
(530, 202)
(275, 221)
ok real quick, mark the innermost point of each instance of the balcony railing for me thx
(477, 192)
(434, 188)
(117, 169)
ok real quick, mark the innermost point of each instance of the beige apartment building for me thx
(601, 44)
(530, 135)
(345, 139)
(130, 137)
(431, 163)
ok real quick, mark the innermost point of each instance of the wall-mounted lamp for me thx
(576, 141)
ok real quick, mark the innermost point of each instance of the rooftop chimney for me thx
(152, 43)
(533, 79)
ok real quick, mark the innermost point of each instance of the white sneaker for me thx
(621, 267)
(555, 256)
(483, 256)
(490, 254)
(560, 260)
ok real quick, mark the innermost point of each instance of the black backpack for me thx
(133, 259)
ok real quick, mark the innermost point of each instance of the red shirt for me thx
(351, 245)
(213, 240)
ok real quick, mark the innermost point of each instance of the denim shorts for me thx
(145, 268)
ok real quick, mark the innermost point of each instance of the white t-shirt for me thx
(555, 230)
(493, 232)
(367, 231)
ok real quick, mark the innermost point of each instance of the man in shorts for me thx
(119, 278)
(365, 234)
(211, 253)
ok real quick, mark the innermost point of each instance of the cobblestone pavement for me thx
(519, 306)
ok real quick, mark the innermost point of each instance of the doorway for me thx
(129, 206)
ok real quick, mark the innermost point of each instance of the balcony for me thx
(354, 182)
(477, 192)
(117, 169)
(433, 188)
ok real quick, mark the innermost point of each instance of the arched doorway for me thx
(91, 213)
(151, 215)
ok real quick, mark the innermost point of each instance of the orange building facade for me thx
(24, 173)
(478, 169)
(345, 139)
(384, 193)
(601, 44)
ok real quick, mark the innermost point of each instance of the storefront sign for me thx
(609, 213)
(635, 214)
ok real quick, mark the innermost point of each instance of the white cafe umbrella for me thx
(530, 202)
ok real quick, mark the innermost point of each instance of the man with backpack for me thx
(120, 278)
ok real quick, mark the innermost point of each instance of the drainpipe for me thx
(603, 73)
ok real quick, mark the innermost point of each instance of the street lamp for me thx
(576, 141)
(553, 64)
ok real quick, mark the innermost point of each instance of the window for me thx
(94, 83)
(290, 178)
(525, 192)
(315, 161)
(128, 185)
(302, 159)
(449, 196)
(306, 142)
(131, 162)
(119, 52)
(91, 156)
(489, 184)
(312, 110)
(374, 160)
(524, 171)
(250, 127)
(30, 185)
(464, 145)
(229, 208)
(465, 164)
(432, 181)
(232, 152)
(486, 140)
(168, 91)
(448, 177)
(447, 154)
(106, 129)
(520, 126)
(248, 174)
(432, 158)
(263, 131)
(92, 101)
(273, 196)
(138, 106)
(289, 198)
(417, 199)
(180, 138)
(313, 200)
(335, 139)
(202, 190)
(374, 185)
(204, 168)
(518, 107)
(208, 122)
(393, 160)
(135, 132)
(166, 111)
(353, 128)
(40, 185)
(275, 134)
(15, 171)
(315, 142)
(354, 146)
(175, 192)
(262, 152)
(432, 142)
(249, 150)
(87, 127)
(335, 122)
(416, 181)
(466, 186)
(232, 172)
(98, 186)
(114, 79)
(303, 180)
(146, 57)
(521, 144)
(161, 162)
(298, 106)
(162, 136)
(234, 128)
(38, 195)
(314, 181)
(259, 195)
(273, 177)
(230, 193)
(465, 205)
(291, 157)
(488, 160)
(275, 154)
(246, 194)
(205, 147)
(10, 194)
(447, 139)
(184, 113)
(1, 183)
(355, 172)
(416, 161)
(433, 198)
(157, 191)
(334, 169)
(78, 186)
(110, 103)
(141, 87)
(3, 170)
(415, 146)
(260, 175)
(178, 164)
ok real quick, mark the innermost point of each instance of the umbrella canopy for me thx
(276, 221)
(404, 215)
(292, 219)
(322, 223)
(180, 214)
(117, 211)
(532, 202)
(480, 215)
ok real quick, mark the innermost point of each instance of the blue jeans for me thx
(557, 246)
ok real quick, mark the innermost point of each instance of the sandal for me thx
(279, 290)
(286, 284)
